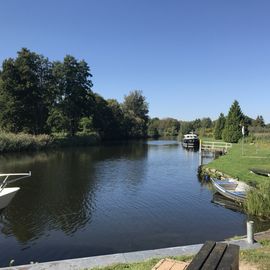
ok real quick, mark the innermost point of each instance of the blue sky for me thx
(190, 58)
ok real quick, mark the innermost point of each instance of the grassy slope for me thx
(236, 165)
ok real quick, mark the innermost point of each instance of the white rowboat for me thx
(231, 188)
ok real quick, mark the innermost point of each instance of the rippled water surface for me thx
(107, 199)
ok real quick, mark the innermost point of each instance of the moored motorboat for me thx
(8, 193)
(191, 140)
(231, 188)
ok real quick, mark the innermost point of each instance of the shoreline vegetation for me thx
(10, 142)
(237, 163)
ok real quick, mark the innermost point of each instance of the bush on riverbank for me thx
(258, 201)
(10, 142)
(78, 140)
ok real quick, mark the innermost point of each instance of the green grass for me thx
(237, 165)
(209, 139)
(145, 265)
(260, 257)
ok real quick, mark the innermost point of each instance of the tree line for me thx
(38, 96)
(227, 128)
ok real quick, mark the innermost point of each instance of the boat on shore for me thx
(231, 188)
(8, 193)
(191, 140)
(260, 171)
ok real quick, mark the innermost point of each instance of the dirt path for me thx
(247, 266)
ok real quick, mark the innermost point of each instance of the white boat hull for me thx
(234, 192)
(6, 195)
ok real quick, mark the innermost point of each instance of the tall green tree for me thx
(232, 130)
(185, 127)
(219, 126)
(108, 118)
(259, 121)
(72, 84)
(25, 92)
(206, 122)
(135, 110)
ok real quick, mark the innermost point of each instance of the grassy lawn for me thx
(237, 165)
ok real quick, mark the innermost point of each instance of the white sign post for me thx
(243, 133)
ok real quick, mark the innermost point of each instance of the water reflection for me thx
(61, 192)
(118, 197)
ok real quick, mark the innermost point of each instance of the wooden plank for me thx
(201, 256)
(230, 259)
(215, 257)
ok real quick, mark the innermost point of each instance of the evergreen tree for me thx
(232, 130)
(220, 124)
(259, 121)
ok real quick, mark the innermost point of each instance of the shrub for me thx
(258, 200)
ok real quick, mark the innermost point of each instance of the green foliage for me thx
(206, 122)
(79, 139)
(57, 121)
(167, 127)
(108, 118)
(74, 97)
(136, 118)
(258, 201)
(86, 125)
(10, 142)
(219, 126)
(258, 122)
(185, 127)
(38, 96)
(25, 93)
(232, 130)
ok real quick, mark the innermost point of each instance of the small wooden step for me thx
(169, 264)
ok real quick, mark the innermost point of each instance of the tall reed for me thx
(10, 142)
(258, 200)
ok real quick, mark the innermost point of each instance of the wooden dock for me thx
(208, 149)
(207, 146)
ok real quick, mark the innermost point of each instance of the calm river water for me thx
(107, 199)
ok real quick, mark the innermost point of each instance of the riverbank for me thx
(10, 142)
(131, 260)
(237, 163)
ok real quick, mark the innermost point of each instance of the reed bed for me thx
(10, 142)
